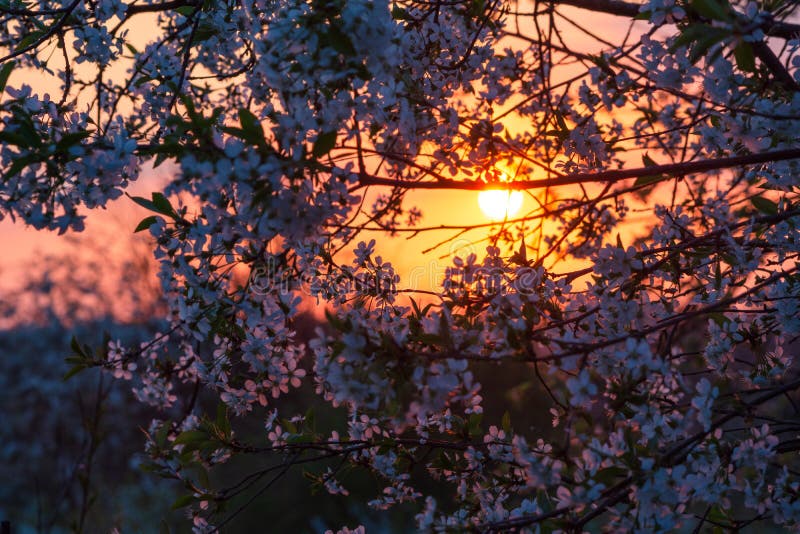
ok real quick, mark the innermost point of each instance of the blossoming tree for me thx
(664, 354)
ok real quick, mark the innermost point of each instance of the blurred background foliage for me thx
(70, 449)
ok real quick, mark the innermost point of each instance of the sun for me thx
(499, 204)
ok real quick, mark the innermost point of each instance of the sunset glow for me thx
(499, 204)
(244, 270)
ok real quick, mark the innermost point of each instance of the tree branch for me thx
(668, 171)
(773, 28)
(166, 6)
(612, 7)
(773, 63)
(762, 50)
(51, 31)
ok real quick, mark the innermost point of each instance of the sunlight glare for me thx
(499, 204)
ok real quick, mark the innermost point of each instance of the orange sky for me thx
(22, 246)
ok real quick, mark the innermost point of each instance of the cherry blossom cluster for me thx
(653, 315)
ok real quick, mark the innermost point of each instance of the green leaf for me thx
(161, 435)
(745, 57)
(474, 424)
(75, 346)
(400, 13)
(310, 420)
(183, 501)
(186, 11)
(5, 72)
(81, 352)
(141, 80)
(71, 139)
(26, 128)
(189, 436)
(719, 318)
(477, 7)
(202, 476)
(162, 205)
(506, 422)
(29, 40)
(764, 205)
(204, 32)
(520, 257)
(601, 61)
(648, 179)
(159, 204)
(191, 440)
(415, 306)
(289, 426)
(712, 9)
(143, 202)
(251, 127)
(700, 38)
(688, 35)
(222, 421)
(704, 44)
(236, 132)
(324, 144)
(340, 41)
(13, 138)
(610, 475)
(74, 370)
(131, 48)
(146, 223)
(562, 124)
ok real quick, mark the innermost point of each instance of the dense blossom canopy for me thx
(650, 299)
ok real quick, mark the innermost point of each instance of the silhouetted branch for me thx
(667, 171)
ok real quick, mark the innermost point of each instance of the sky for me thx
(23, 247)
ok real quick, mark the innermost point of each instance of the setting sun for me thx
(499, 204)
